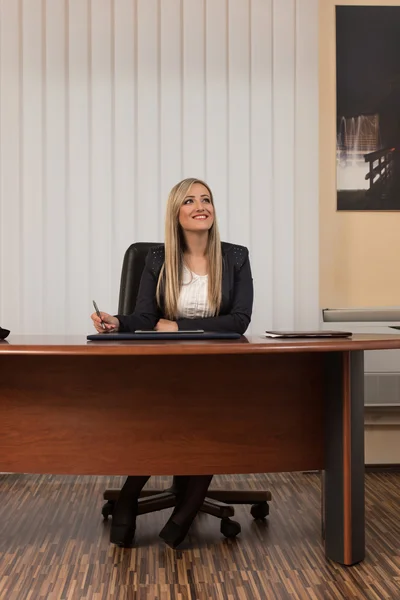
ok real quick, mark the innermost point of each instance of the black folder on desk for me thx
(163, 335)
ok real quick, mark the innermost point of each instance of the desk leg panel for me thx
(343, 488)
(161, 415)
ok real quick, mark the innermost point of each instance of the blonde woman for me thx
(193, 281)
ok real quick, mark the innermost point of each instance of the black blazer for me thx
(237, 295)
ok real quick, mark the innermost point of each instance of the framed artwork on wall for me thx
(368, 108)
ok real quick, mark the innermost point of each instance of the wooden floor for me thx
(54, 546)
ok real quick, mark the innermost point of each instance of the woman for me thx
(191, 282)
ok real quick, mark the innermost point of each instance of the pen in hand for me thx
(98, 314)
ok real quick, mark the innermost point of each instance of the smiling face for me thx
(197, 211)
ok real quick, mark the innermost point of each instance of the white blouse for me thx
(193, 299)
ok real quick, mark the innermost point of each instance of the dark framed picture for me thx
(368, 108)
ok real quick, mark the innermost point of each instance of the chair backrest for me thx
(132, 269)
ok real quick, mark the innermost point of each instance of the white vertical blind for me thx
(261, 191)
(11, 259)
(78, 200)
(55, 161)
(306, 164)
(105, 104)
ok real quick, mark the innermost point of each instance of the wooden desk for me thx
(248, 406)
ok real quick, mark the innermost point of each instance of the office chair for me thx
(218, 502)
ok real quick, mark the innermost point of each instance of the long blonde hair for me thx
(170, 279)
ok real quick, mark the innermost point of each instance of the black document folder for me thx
(163, 335)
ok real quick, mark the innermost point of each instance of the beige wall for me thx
(359, 252)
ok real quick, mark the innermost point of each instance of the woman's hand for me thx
(111, 323)
(165, 325)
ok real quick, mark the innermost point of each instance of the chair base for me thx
(218, 503)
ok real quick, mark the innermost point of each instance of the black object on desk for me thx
(308, 334)
(163, 335)
(4, 333)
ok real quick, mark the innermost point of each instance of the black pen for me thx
(98, 314)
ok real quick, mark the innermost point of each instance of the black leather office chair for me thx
(218, 502)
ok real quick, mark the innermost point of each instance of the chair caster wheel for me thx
(260, 510)
(229, 528)
(108, 509)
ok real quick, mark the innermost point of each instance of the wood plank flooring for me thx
(54, 546)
